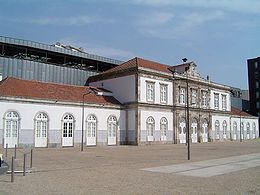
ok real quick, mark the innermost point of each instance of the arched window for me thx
(68, 123)
(11, 124)
(112, 126)
(205, 126)
(194, 126)
(164, 126)
(224, 128)
(235, 127)
(248, 128)
(41, 121)
(217, 128)
(150, 126)
(182, 126)
(254, 129)
(91, 126)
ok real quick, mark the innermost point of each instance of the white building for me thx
(138, 102)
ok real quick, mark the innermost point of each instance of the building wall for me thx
(157, 82)
(123, 88)
(131, 126)
(157, 116)
(221, 119)
(55, 112)
(220, 92)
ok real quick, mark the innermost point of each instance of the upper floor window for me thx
(257, 94)
(216, 101)
(193, 97)
(150, 91)
(182, 95)
(256, 65)
(224, 102)
(204, 99)
(256, 84)
(257, 105)
(163, 93)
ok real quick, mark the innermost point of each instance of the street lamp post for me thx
(240, 127)
(188, 114)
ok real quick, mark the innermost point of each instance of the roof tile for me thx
(13, 87)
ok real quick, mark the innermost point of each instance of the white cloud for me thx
(172, 27)
(155, 18)
(247, 6)
(73, 20)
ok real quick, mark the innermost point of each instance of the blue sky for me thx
(218, 35)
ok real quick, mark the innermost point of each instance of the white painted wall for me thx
(144, 80)
(221, 120)
(28, 111)
(220, 99)
(157, 115)
(131, 125)
(123, 88)
(245, 120)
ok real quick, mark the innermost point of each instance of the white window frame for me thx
(182, 96)
(248, 128)
(217, 127)
(204, 95)
(163, 126)
(41, 125)
(68, 125)
(150, 126)
(150, 91)
(112, 126)
(224, 102)
(12, 124)
(224, 126)
(163, 93)
(216, 101)
(91, 126)
(194, 95)
(235, 127)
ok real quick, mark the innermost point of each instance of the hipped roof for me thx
(13, 87)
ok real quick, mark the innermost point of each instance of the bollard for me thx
(0, 161)
(12, 170)
(24, 164)
(6, 147)
(31, 158)
(15, 151)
